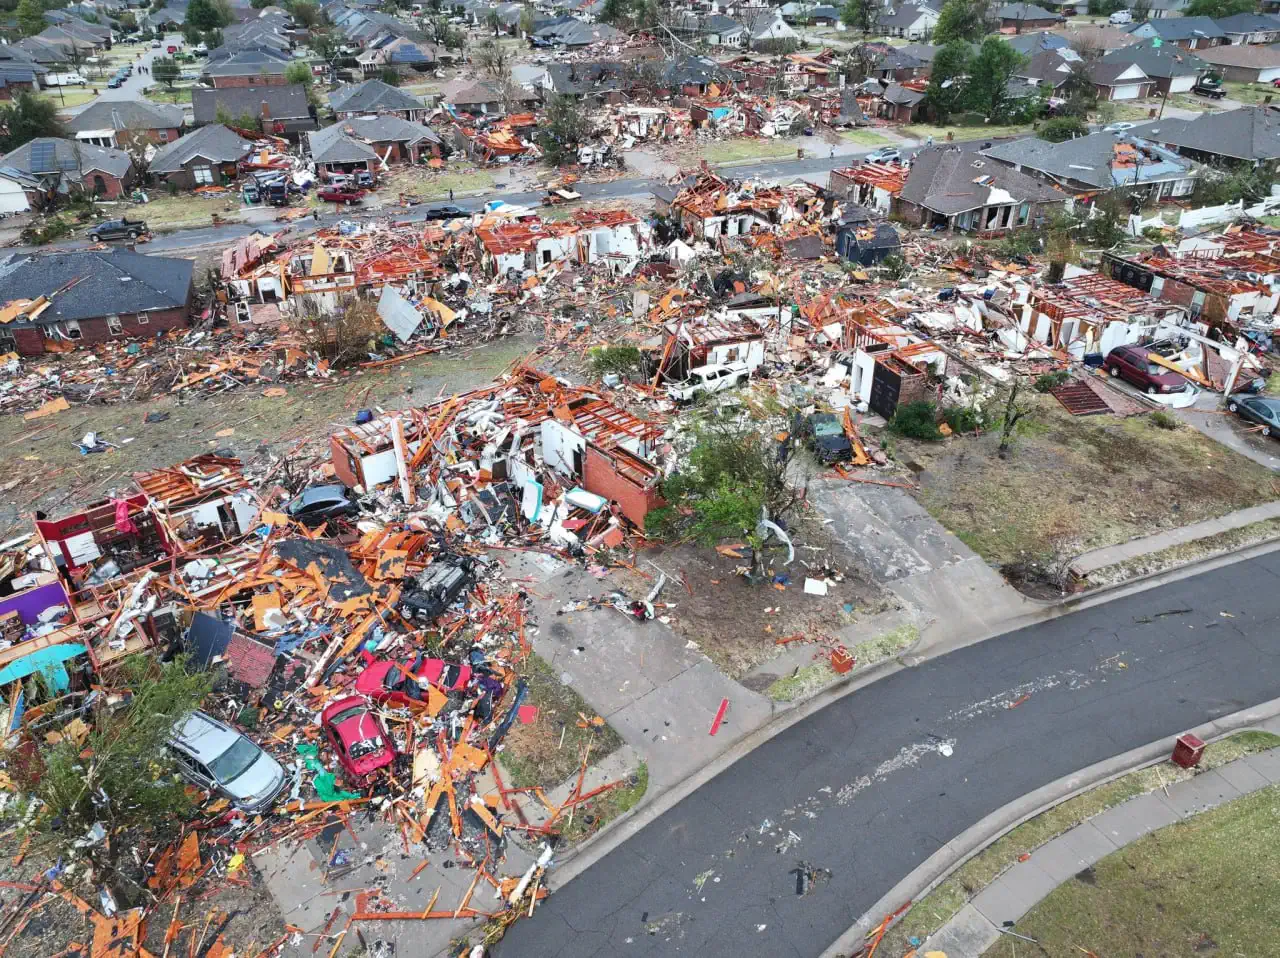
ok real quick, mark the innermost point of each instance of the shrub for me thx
(1164, 420)
(614, 359)
(1063, 128)
(963, 418)
(1051, 381)
(917, 420)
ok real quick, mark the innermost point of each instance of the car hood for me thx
(259, 782)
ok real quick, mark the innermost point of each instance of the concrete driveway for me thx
(1209, 415)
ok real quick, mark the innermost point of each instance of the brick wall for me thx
(30, 340)
(599, 475)
(256, 79)
(115, 186)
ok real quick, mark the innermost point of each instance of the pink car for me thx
(358, 737)
(389, 681)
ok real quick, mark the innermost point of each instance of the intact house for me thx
(333, 150)
(1119, 81)
(1048, 69)
(1170, 68)
(277, 110)
(1100, 162)
(1244, 64)
(910, 21)
(209, 156)
(47, 168)
(765, 28)
(19, 72)
(966, 191)
(1247, 136)
(127, 123)
(397, 53)
(374, 96)
(1190, 33)
(1246, 28)
(259, 66)
(1020, 17)
(102, 295)
(393, 140)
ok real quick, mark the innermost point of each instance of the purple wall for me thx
(31, 603)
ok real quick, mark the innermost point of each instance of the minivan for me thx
(217, 758)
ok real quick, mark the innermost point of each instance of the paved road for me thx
(131, 89)
(875, 783)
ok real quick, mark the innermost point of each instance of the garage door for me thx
(1129, 92)
(12, 199)
(1182, 84)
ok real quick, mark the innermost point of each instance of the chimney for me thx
(266, 111)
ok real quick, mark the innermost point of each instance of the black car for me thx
(824, 434)
(118, 229)
(438, 587)
(445, 212)
(320, 504)
(1263, 410)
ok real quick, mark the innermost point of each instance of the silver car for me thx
(216, 757)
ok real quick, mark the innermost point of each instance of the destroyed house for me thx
(713, 207)
(873, 185)
(597, 82)
(1212, 291)
(884, 363)
(201, 501)
(57, 301)
(589, 236)
(712, 341)
(1092, 314)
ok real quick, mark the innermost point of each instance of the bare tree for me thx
(1015, 413)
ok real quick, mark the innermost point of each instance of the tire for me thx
(94, 237)
(1115, 373)
(133, 234)
(351, 202)
(1151, 390)
(1266, 430)
(1233, 407)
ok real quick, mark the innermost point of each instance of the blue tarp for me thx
(48, 659)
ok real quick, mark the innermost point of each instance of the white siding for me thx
(12, 198)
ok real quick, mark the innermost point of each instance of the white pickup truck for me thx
(709, 379)
(64, 79)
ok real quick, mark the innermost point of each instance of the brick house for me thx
(394, 140)
(49, 167)
(119, 123)
(210, 156)
(106, 295)
(374, 96)
(248, 67)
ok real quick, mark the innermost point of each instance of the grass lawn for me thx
(1250, 93)
(159, 93)
(935, 909)
(922, 131)
(548, 750)
(1010, 510)
(68, 96)
(736, 151)
(435, 184)
(594, 814)
(865, 137)
(1131, 112)
(185, 209)
(1206, 886)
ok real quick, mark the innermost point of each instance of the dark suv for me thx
(438, 587)
(1131, 363)
(118, 229)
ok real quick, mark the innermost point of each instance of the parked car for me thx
(711, 378)
(64, 79)
(358, 738)
(216, 757)
(886, 154)
(438, 587)
(399, 682)
(1121, 127)
(1261, 410)
(347, 195)
(155, 44)
(1210, 86)
(445, 212)
(114, 83)
(364, 179)
(123, 228)
(1131, 364)
(1120, 17)
(824, 435)
(319, 504)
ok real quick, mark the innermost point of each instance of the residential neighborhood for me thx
(601, 477)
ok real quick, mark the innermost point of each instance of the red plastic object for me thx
(1187, 751)
(715, 723)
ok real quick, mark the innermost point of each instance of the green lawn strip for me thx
(596, 813)
(804, 682)
(940, 905)
(866, 137)
(1209, 885)
(1179, 555)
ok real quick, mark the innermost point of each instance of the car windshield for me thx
(235, 761)
(827, 427)
(346, 714)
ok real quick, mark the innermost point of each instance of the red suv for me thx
(1131, 363)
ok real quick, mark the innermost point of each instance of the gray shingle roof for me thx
(1250, 133)
(575, 33)
(283, 102)
(897, 94)
(333, 145)
(48, 154)
(110, 281)
(1087, 160)
(386, 129)
(1025, 11)
(1165, 61)
(1106, 73)
(946, 180)
(370, 97)
(247, 63)
(127, 115)
(1248, 23)
(214, 142)
(1180, 28)
(905, 15)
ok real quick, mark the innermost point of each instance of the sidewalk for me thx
(977, 925)
(1146, 545)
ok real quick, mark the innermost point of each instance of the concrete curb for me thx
(1270, 541)
(941, 864)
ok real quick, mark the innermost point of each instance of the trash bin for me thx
(1187, 751)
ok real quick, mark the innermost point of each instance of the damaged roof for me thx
(1249, 133)
(948, 180)
(1097, 160)
(93, 283)
(214, 142)
(334, 144)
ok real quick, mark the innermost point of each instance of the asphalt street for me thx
(876, 782)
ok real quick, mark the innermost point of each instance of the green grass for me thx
(808, 680)
(737, 151)
(165, 212)
(936, 909)
(1223, 542)
(1206, 886)
(922, 131)
(1251, 94)
(161, 94)
(865, 137)
(595, 814)
(68, 96)
(427, 183)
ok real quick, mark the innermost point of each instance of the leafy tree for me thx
(30, 17)
(307, 14)
(526, 21)
(1141, 10)
(615, 12)
(206, 15)
(128, 22)
(25, 118)
(166, 70)
(1063, 128)
(493, 21)
(325, 44)
(390, 76)
(191, 33)
(85, 797)
(859, 15)
(564, 126)
(213, 39)
(1218, 8)
(622, 360)
(988, 77)
(298, 72)
(962, 20)
(951, 65)
(1017, 416)
(225, 14)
